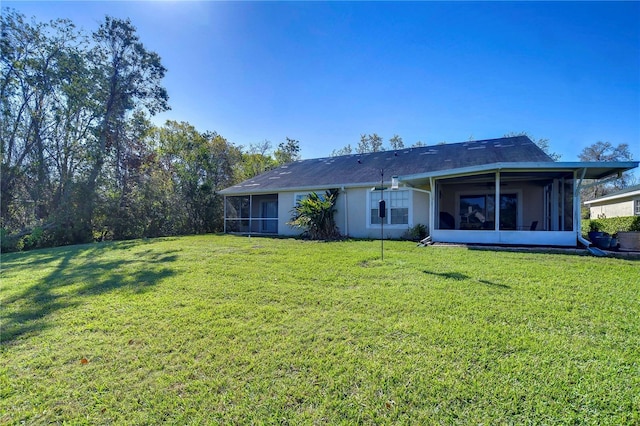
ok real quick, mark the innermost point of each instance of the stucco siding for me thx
(285, 205)
(612, 209)
(357, 199)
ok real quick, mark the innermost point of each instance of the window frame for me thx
(485, 193)
(374, 197)
(298, 196)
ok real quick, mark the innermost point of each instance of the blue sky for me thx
(326, 72)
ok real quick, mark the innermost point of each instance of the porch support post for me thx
(496, 204)
(250, 213)
(562, 201)
(577, 216)
(554, 205)
(224, 217)
(433, 200)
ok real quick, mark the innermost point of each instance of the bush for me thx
(315, 214)
(416, 233)
(39, 237)
(611, 225)
(8, 243)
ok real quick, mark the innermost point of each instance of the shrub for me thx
(611, 225)
(8, 242)
(315, 214)
(416, 233)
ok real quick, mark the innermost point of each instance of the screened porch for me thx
(251, 214)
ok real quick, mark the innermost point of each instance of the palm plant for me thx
(314, 214)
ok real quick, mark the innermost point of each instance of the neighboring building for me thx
(625, 202)
(451, 188)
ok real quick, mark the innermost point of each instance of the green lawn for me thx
(237, 330)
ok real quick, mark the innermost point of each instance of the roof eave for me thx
(610, 169)
(234, 191)
(631, 195)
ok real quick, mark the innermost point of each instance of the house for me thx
(450, 188)
(621, 203)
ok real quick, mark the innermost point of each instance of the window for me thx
(397, 208)
(636, 207)
(478, 211)
(302, 195)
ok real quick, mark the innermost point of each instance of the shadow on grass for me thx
(85, 268)
(457, 276)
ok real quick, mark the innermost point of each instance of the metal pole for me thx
(382, 219)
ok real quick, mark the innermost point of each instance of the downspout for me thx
(576, 210)
(346, 212)
(496, 205)
(432, 207)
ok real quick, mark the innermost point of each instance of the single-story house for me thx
(450, 188)
(625, 202)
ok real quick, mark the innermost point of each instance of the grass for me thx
(233, 330)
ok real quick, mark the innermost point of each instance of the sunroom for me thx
(539, 204)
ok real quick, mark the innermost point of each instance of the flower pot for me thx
(594, 234)
(629, 241)
(603, 242)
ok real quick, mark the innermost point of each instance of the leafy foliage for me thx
(416, 233)
(287, 152)
(72, 120)
(80, 159)
(315, 214)
(369, 143)
(607, 152)
(543, 144)
(611, 225)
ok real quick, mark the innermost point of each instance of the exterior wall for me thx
(286, 202)
(614, 208)
(357, 213)
(359, 227)
(351, 214)
(421, 204)
(285, 205)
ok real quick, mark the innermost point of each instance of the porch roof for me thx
(592, 170)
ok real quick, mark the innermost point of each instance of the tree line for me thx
(80, 158)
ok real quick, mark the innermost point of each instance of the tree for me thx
(606, 152)
(369, 143)
(347, 150)
(128, 78)
(396, 142)
(543, 144)
(315, 215)
(256, 160)
(45, 119)
(287, 152)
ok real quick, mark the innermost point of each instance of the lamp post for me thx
(382, 206)
(382, 212)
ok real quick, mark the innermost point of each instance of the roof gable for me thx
(365, 169)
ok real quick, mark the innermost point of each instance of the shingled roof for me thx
(365, 169)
